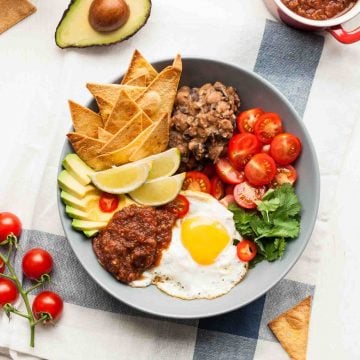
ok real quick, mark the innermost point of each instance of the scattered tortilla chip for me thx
(139, 66)
(104, 135)
(85, 121)
(86, 147)
(139, 81)
(156, 141)
(13, 11)
(291, 329)
(124, 110)
(159, 96)
(125, 135)
(120, 156)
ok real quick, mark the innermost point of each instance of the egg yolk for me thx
(204, 238)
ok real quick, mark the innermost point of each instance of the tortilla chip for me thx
(177, 63)
(86, 147)
(146, 121)
(125, 135)
(105, 108)
(13, 11)
(291, 329)
(124, 110)
(120, 156)
(139, 66)
(104, 135)
(156, 141)
(85, 121)
(139, 81)
(159, 96)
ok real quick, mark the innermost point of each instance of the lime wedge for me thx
(159, 191)
(122, 179)
(164, 164)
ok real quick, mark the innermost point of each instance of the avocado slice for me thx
(85, 225)
(94, 214)
(90, 233)
(78, 169)
(74, 29)
(69, 184)
(75, 202)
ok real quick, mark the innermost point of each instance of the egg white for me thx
(180, 276)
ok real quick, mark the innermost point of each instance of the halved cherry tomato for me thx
(37, 262)
(246, 195)
(246, 250)
(8, 292)
(48, 302)
(196, 181)
(229, 189)
(2, 267)
(227, 173)
(266, 149)
(241, 148)
(260, 170)
(108, 202)
(227, 200)
(285, 148)
(267, 127)
(9, 224)
(217, 189)
(179, 206)
(209, 170)
(246, 120)
(284, 175)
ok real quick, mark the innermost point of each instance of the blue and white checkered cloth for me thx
(95, 325)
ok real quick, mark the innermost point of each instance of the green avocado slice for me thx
(74, 29)
(85, 225)
(90, 233)
(78, 169)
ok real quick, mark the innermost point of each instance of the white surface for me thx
(37, 78)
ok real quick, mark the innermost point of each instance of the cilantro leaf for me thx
(275, 250)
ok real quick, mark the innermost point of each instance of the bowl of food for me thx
(189, 188)
(327, 15)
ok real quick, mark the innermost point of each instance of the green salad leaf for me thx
(275, 221)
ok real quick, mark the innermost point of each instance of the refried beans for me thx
(133, 240)
(319, 9)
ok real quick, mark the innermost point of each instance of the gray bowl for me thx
(254, 91)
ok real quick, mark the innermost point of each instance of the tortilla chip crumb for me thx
(291, 328)
(13, 11)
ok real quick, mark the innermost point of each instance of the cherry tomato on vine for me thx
(217, 188)
(179, 206)
(37, 262)
(196, 181)
(48, 302)
(108, 202)
(9, 224)
(260, 170)
(285, 148)
(8, 292)
(267, 127)
(246, 195)
(227, 173)
(246, 250)
(246, 120)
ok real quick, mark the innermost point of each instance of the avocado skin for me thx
(72, 2)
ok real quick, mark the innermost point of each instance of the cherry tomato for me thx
(246, 120)
(2, 267)
(246, 250)
(217, 189)
(241, 148)
(209, 170)
(246, 195)
(8, 292)
(260, 170)
(266, 149)
(267, 127)
(108, 202)
(196, 181)
(227, 173)
(227, 200)
(37, 262)
(9, 224)
(285, 148)
(48, 302)
(179, 206)
(284, 175)
(229, 189)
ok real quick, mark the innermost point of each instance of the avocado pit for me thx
(108, 15)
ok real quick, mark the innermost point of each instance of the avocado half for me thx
(74, 29)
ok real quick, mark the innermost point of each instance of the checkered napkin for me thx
(94, 324)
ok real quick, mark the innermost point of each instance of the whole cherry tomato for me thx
(8, 292)
(9, 224)
(37, 262)
(48, 302)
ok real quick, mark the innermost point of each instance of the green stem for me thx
(7, 276)
(27, 291)
(20, 313)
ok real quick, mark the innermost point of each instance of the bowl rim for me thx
(283, 273)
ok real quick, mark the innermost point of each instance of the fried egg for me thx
(201, 260)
